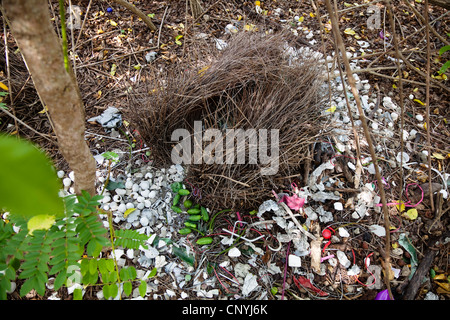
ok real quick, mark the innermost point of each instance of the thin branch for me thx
(390, 13)
(137, 12)
(427, 101)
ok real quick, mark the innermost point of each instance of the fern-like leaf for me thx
(65, 250)
(35, 266)
(131, 239)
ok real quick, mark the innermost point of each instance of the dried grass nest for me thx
(256, 82)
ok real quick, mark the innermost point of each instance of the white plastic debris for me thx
(378, 230)
(234, 252)
(343, 233)
(402, 156)
(220, 44)
(343, 260)
(110, 118)
(294, 261)
(250, 284)
(151, 56)
(338, 206)
(354, 270)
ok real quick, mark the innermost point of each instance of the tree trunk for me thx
(41, 48)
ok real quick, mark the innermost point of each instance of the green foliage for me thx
(58, 249)
(130, 239)
(446, 65)
(42, 234)
(27, 172)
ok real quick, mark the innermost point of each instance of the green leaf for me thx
(176, 186)
(443, 50)
(143, 288)
(27, 172)
(60, 279)
(77, 294)
(153, 272)
(127, 287)
(106, 291)
(181, 253)
(40, 222)
(444, 67)
(93, 266)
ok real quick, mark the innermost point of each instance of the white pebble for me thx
(129, 184)
(120, 192)
(130, 205)
(135, 187)
(72, 175)
(60, 174)
(140, 206)
(145, 193)
(152, 194)
(106, 199)
(113, 206)
(130, 253)
(394, 116)
(122, 207)
(67, 182)
(144, 185)
(374, 126)
(419, 117)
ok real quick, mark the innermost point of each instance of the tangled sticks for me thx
(257, 87)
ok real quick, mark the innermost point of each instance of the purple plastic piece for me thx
(383, 295)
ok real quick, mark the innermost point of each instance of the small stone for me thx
(60, 174)
(129, 184)
(144, 185)
(152, 194)
(122, 207)
(144, 221)
(120, 192)
(67, 182)
(419, 117)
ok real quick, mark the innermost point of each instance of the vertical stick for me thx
(340, 44)
(427, 101)
(400, 88)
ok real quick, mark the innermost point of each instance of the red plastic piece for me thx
(305, 283)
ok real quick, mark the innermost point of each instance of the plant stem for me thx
(340, 44)
(62, 13)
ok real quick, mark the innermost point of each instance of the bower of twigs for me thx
(252, 84)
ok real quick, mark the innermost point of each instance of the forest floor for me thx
(110, 60)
